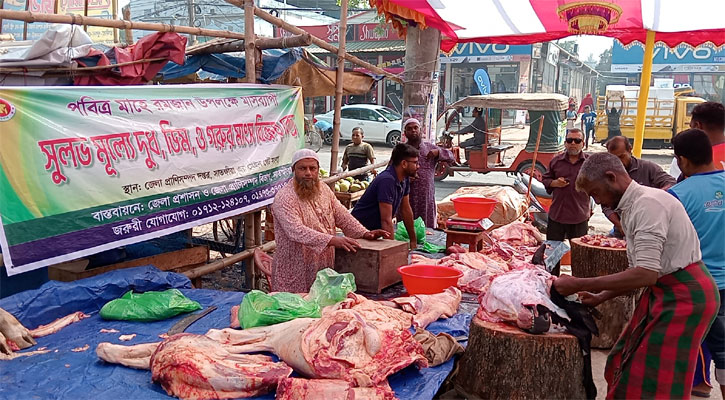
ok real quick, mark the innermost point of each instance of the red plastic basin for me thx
(428, 279)
(474, 207)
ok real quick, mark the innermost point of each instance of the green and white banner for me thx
(87, 169)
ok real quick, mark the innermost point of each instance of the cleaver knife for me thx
(188, 320)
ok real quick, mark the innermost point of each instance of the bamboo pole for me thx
(334, 178)
(79, 69)
(226, 261)
(317, 41)
(533, 161)
(339, 79)
(114, 6)
(643, 94)
(250, 48)
(261, 43)
(28, 16)
(127, 16)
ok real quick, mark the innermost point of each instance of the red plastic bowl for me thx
(428, 279)
(474, 207)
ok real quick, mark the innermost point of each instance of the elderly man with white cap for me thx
(422, 189)
(306, 215)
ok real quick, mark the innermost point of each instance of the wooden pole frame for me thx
(339, 79)
(249, 45)
(28, 16)
(317, 41)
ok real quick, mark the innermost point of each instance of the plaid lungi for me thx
(655, 355)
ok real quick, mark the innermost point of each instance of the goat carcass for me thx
(329, 389)
(192, 366)
(340, 345)
(514, 297)
(429, 307)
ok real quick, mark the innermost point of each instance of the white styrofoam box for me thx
(664, 83)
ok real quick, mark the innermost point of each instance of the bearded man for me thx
(422, 188)
(570, 210)
(306, 215)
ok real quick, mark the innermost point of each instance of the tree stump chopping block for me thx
(504, 362)
(589, 261)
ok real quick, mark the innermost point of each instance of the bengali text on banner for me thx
(87, 169)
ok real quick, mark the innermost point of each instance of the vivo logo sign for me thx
(480, 49)
(681, 53)
(664, 55)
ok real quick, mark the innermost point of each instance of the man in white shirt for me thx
(680, 300)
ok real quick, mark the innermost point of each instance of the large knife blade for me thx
(188, 320)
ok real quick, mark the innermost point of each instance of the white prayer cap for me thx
(411, 121)
(301, 154)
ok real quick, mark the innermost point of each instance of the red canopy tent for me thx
(670, 23)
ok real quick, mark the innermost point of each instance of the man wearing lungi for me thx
(655, 355)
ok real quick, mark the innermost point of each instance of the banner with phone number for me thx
(87, 169)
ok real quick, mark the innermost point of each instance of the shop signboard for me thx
(87, 169)
(552, 55)
(665, 59)
(486, 52)
(15, 28)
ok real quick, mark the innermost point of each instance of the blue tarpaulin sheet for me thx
(274, 63)
(63, 374)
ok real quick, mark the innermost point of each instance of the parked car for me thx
(380, 123)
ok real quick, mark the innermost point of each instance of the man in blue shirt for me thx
(703, 195)
(588, 119)
(388, 193)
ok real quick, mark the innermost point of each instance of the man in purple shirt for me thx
(570, 210)
(389, 193)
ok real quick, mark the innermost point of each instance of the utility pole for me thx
(420, 85)
(192, 19)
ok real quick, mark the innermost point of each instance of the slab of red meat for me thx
(192, 366)
(340, 345)
(518, 234)
(511, 296)
(429, 307)
(604, 241)
(329, 389)
(195, 367)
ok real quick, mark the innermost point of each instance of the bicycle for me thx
(313, 138)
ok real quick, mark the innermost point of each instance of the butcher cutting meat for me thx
(680, 299)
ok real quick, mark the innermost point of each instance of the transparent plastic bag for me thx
(331, 287)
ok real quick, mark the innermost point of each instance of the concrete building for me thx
(701, 68)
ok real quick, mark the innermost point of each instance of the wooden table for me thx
(349, 199)
(474, 240)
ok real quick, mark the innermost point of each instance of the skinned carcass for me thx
(192, 366)
(377, 313)
(340, 345)
(429, 307)
(517, 296)
(329, 389)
